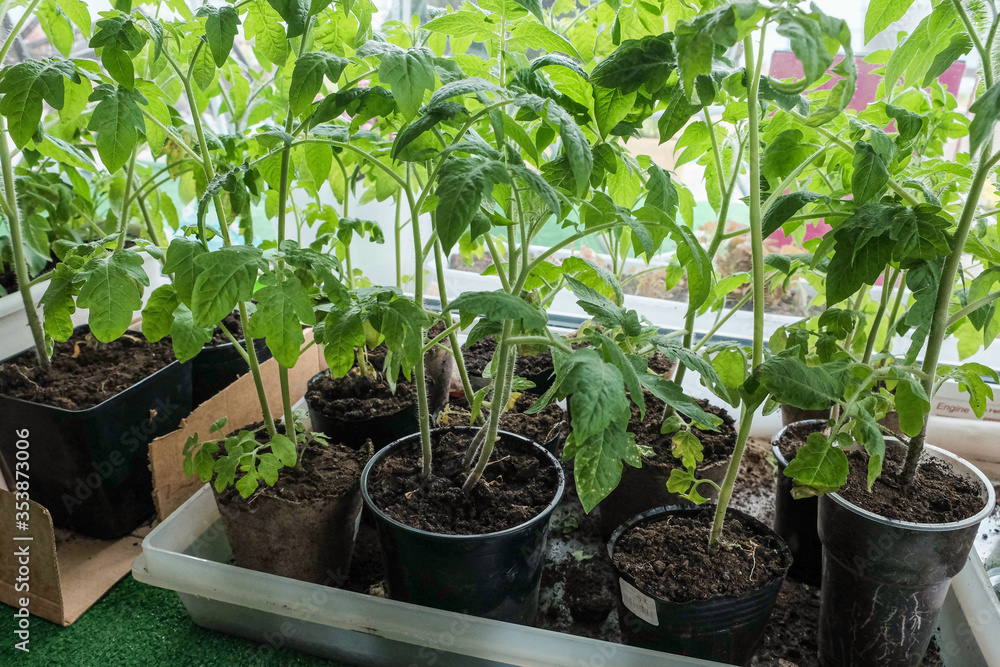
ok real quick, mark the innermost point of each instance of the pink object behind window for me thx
(784, 65)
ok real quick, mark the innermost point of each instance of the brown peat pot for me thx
(725, 629)
(495, 575)
(884, 581)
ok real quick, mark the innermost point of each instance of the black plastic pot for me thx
(381, 430)
(726, 629)
(218, 366)
(90, 468)
(795, 520)
(496, 575)
(884, 581)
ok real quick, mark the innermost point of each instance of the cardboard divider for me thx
(239, 403)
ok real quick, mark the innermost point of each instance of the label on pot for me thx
(638, 602)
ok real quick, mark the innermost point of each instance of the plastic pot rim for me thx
(651, 513)
(93, 407)
(543, 515)
(776, 450)
(971, 521)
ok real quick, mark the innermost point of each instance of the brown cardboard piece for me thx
(239, 403)
(69, 572)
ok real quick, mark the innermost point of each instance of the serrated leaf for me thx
(883, 13)
(637, 62)
(25, 87)
(462, 184)
(58, 303)
(117, 120)
(112, 290)
(789, 380)
(187, 338)
(180, 262)
(598, 460)
(819, 465)
(409, 74)
(227, 277)
(611, 106)
(497, 307)
(284, 449)
(785, 207)
(343, 331)
(307, 78)
(221, 26)
(158, 314)
(282, 307)
(263, 25)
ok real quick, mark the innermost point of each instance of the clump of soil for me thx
(669, 557)
(537, 427)
(84, 372)
(936, 494)
(718, 445)
(355, 398)
(516, 486)
(794, 436)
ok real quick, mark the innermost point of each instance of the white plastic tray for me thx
(189, 553)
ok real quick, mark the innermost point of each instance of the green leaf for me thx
(263, 24)
(696, 40)
(58, 303)
(881, 14)
(463, 23)
(497, 307)
(806, 38)
(227, 277)
(113, 292)
(77, 12)
(409, 74)
(574, 142)
(462, 87)
(463, 182)
(819, 466)
(595, 276)
(636, 63)
(180, 262)
(533, 6)
(56, 26)
(188, 338)
(295, 13)
(282, 307)
(25, 87)
(221, 28)
(784, 207)
(870, 173)
(908, 124)
(673, 395)
(686, 446)
(986, 109)
(531, 35)
(970, 381)
(680, 108)
(597, 459)
(307, 78)
(284, 449)
(541, 187)
(343, 331)
(789, 380)
(158, 314)
(117, 120)
(912, 404)
(862, 249)
(611, 106)
(430, 116)
(602, 309)
(247, 484)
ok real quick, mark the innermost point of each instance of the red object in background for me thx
(784, 65)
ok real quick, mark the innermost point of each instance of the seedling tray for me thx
(189, 553)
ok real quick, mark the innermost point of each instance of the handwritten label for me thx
(639, 603)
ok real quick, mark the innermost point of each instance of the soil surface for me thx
(85, 372)
(537, 427)
(478, 356)
(669, 558)
(794, 437)
(8, 277)
(718, 445)
(355, 398)
(326, 471)
(516, 486)
(936, 495)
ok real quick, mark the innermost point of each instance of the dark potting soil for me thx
(936, 495)
(516, 486)
(85, 372)
(355, 398)
(794, 437)
(326, 471)
(538, 427)
(8, 277)
(718, 445)
(478, 356)
(669, 558)
(578, 597)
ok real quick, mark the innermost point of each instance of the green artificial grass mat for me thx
(135, 625)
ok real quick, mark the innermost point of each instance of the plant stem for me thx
(972, 307)
(900, 292)
(939, 323)
(456, 347)
(17, 246)
(891, 275)
(501, 396)
(123, 223)
(757, 252)
(16, 30)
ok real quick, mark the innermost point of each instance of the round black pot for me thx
(496, 575)
(726, 629)
(795, 520)
(218, 366)
(381, 430)
(90, 468)
(884, 581)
